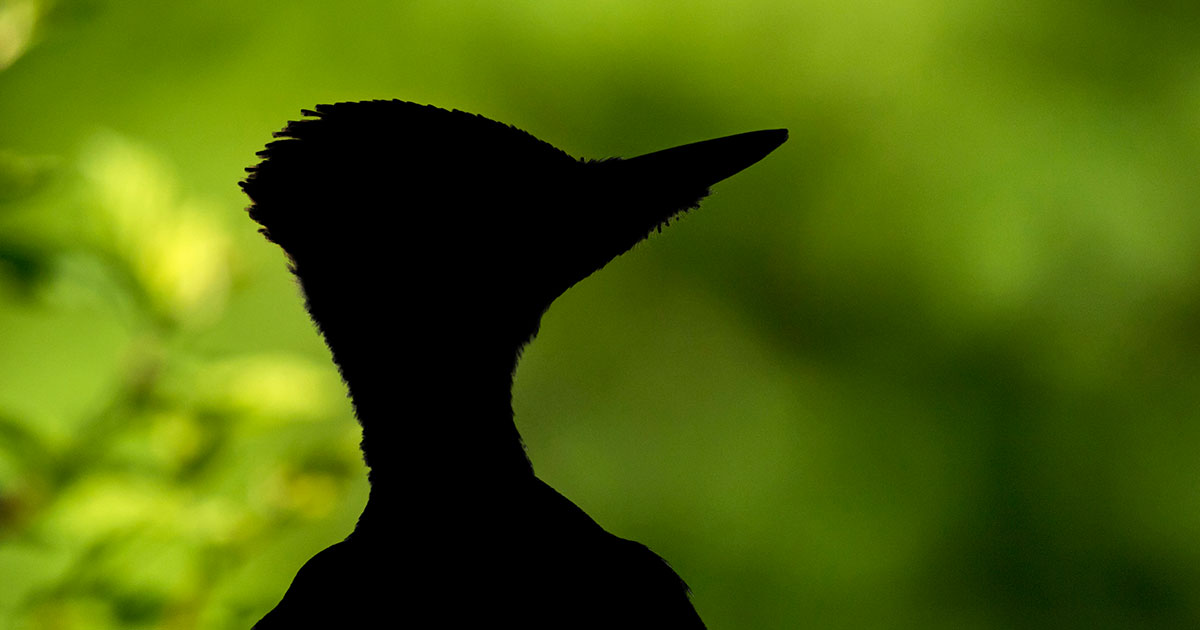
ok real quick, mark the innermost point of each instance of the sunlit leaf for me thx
(270, 388)
(174, 246)
(18, 23)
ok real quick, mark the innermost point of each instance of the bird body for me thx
(428, 243)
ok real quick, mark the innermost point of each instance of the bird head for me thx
(388, 209)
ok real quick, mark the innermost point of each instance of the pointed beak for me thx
(699, 165)
(638, 195)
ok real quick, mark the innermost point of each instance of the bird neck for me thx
(441, 416)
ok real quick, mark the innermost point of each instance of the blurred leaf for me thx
(174, 247)
(270, 388)
(18, 24)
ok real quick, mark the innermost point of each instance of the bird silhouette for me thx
(428, 243)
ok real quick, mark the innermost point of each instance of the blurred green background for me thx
(935, 363)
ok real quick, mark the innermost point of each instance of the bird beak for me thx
(697, 166)
(644, 193)
(658, 186)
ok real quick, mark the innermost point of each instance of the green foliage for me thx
(934, 363)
